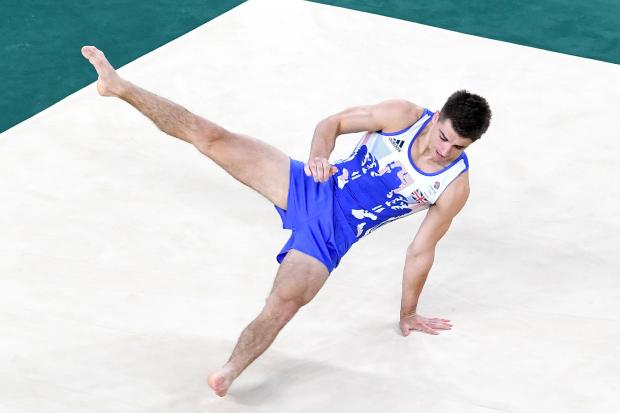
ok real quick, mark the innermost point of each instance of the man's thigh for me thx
(299, 278)
(253, 162)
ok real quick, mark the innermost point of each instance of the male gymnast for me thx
(410, 159)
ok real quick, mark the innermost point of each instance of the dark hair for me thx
(470, 114)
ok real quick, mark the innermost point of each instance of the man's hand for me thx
(319, 168)
(424, 324)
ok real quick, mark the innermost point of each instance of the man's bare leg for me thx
(251, 161)
(299, 279)
(257, 165)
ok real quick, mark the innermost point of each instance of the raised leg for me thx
(251, 161)
(299, 279)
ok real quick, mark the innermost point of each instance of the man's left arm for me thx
(421, 254)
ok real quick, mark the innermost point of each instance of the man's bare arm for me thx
(421, 254)
(388, 115)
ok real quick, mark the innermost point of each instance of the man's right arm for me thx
(395, 114)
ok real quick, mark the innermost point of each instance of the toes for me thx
(88, 51)
(218, 384)
(91, 52)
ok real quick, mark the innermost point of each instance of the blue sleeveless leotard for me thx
(377, 184)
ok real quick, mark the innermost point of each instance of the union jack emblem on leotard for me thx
(419, 197)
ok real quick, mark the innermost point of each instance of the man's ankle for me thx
(232, 369)
(124, 89)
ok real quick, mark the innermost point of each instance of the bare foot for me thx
(221, 380)
(109, 82)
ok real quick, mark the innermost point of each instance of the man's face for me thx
(446, 145)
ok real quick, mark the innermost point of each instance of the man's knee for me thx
(282, 309)
(207, 136)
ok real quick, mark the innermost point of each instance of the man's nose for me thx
(444, 150)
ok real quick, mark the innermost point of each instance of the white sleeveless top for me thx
(380, 183)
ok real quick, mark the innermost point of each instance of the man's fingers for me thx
(404, 328)
(318, 169)
(429, 330)
(439, 326)
(425, 325)
(425, 329)
(326, 170)
(439, 323)
(407, 329)
(315, 171)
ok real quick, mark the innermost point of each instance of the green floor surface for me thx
(40, 42)
(582, 28)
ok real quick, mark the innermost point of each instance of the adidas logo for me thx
(397, 144)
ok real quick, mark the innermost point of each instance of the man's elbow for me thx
(330, 124)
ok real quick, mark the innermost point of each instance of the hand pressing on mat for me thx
(416, 322)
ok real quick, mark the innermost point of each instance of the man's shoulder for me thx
(455, 195)
(399, 114)
(404, 106)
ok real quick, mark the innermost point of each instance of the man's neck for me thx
(422, 155)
